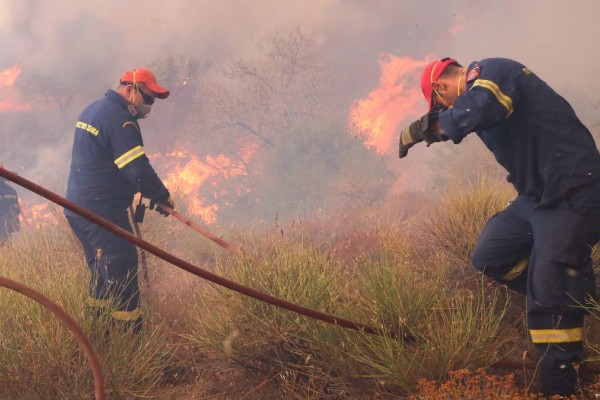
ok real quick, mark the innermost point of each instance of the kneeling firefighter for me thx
(540, 245)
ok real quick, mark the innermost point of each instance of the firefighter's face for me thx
(447, 89)
(138, 95)
(141, 100)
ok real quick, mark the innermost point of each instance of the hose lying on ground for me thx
(88, 349)
(53, 197)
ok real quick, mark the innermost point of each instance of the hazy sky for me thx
(556, 38)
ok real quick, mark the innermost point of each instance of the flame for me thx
(188, 174)
(9, 100)
(11, 106)
(9, 76)
(396, 99)
(37, 214)
(186, 181)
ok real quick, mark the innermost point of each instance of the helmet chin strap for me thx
(135, 85)
(441, 98)
(459, 79)
(458, 92)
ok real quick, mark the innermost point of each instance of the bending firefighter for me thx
(108, 167)
(540, 245)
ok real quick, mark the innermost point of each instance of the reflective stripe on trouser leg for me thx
(561, 279)
(559, 341)
(556, 335)
(128, 320)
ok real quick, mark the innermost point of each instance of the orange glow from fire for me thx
(37, 215)
(9, 76)
(398, 98)
(9, 99)
(187, 174)
(186, 181)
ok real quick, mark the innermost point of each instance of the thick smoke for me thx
(91, 43)
(554, 37)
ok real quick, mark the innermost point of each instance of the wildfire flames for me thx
(396, 99)
(38, 214)
(195, 181)
(186, 180)
(9, 76)
(9, 98)
(187, 174)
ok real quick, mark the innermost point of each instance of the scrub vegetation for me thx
(449, 333)
(322, 227)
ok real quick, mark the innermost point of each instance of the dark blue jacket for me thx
(108, 164)
(9, 210)
(532, 131)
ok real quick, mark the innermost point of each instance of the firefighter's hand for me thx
(407, 140)
(419, 131)
(155, 205)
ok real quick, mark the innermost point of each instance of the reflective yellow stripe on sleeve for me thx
(127, 315)
(556, 335)
(500, 96)
(129, 156)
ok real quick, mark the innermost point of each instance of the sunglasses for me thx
(147, 98)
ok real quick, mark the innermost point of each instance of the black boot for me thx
(561, 368)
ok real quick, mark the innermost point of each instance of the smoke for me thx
(91, 43)
(554, 37)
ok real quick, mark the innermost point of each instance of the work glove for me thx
(419, 131)
(155, 205)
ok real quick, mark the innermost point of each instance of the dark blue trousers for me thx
(113, 263)
(544, 252)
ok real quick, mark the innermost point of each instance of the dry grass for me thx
(440, 329)
(455, 223)
(399, 273)
(39, 359)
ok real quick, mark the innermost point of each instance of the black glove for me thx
(155, 205)
(418, 131)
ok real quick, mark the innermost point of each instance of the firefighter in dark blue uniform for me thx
(108, 167)
(540, 245)
(9, 211)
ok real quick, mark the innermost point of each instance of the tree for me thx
(319, 169)
(260, 101)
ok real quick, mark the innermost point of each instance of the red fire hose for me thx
(138, 233)
(184, 264)
(88, 349)
(199, 229)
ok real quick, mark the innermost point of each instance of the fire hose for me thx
(61, 201)
(200, 230)
(88, 349)
(138, 233)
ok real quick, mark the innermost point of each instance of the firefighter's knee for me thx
(479, 260)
